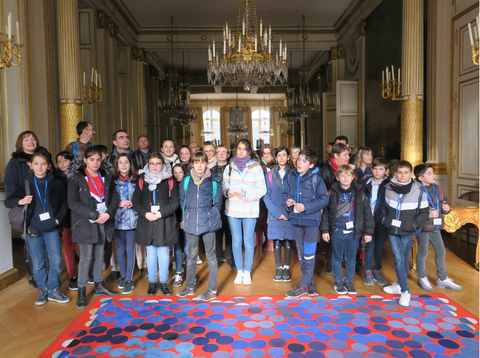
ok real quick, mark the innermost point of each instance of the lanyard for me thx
(154, 196)
(349, 210)
(44, 200)
(430, 199)
(93, 182)
(126, 190)
(400, 199)
(298, 188)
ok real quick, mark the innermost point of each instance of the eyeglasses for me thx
(155, 164)
(222, 152)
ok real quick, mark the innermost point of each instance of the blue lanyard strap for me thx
(93, 182)
(154, 196)
(349, 210)
(430, 199)
(400, 198)
(44, 200)
(298, 188)
(126, 190)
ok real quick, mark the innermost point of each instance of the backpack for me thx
(75, 148)
(185, 187)
(17, 215)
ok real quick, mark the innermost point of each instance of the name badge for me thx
(437, 221)
(295, 210)
(349, 224)
(155, 208)
(347, 231)
(101, 207)
(396, 223)
(44, 216)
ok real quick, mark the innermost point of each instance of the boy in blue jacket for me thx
(201, 200)
(305, 196)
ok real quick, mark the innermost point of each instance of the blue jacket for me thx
(125, 218)
(277, 229)
(300, 189)
(200, 215)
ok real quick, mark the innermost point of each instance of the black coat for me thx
(328, 174)
(164, 231)
(82, 207)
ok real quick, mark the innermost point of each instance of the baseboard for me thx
(8, 278)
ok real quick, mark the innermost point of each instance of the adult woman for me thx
(243, 185)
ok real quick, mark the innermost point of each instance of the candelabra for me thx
(10, 49)
(93, 92)
(474, 44)
(391, 88)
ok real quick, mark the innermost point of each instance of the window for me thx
(211, 125)
(260, 127)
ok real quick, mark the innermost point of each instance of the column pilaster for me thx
(71, 111)
(412, 82)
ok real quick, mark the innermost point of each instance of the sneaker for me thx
(350, 288)
(239, 278)
(299, 291)
(393, 289)
(128, 287)
(73, 285)
(286, 275)
(177, 280)
(91, 280)
(187, 291)
(152, 289)
(57, 296)
(368, 278)
(165, 289)
(207, 296)
(378, 276)
(278, 275)
(404, 300)
(247, 279)
(425, 284)
(340, 288)
(42, 298)
(121, 282)
(199, 260)
(312, 291)
(448, 283)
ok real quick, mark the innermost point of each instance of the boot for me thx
(82, 299)
(102, 290)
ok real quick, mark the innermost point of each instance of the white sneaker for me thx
(239, 278)
(199, 260)
(393, 289)
(404, 300)
(425, 284)
(448, 283)
(247, 279)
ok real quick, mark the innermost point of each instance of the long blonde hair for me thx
(359, 157)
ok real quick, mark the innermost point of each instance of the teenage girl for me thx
(93, 200)
(363, 163)
(181, 246)
(168, 151)
(46, 210)
(156, 199)
(184, 156)
(125, 220)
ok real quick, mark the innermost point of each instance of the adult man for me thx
(86, 132)
(193, 147)
(143, 148)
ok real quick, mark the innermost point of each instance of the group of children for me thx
(192, 193)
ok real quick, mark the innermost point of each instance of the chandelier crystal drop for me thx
(248, 59)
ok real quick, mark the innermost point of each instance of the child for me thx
(201, 198)
(375, 190)
(344, 220)
(64, 159)
(155, 199)
(431, 231)
(125, 220)
(93, 200)
(280, 229)
(47, 208)
(307, 196)
(168, 151)
(181, 246)
(403, 214)
(363, 162)
(184, 156)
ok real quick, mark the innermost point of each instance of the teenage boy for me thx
(201, 200)
(403, 214)
(346, 218)
(222, 153)
(305, 196)
(375, 190)
(431, 231)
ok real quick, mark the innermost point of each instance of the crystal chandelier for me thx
(207, 125)
(265, 122)
(247, 54)
(236, 127)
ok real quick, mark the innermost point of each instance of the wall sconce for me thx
(474, 44)
(7, 44)
(93, 93)
(391, 88)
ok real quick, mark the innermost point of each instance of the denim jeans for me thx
(401, 246)
(374, 250)
(89, 253)
(248, 225)
(125, 242)
(437, 242)
(180, 246)
(158, 259)
(306, 240)
(209, 243)
(36, 246)
(344, 245)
